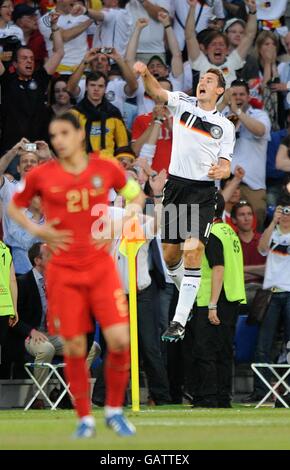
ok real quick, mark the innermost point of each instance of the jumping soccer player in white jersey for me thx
(203, 142)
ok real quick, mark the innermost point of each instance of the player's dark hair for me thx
(34, 252)
(219, 206)
(238, 206)
(241, 82)
(220, 77)
(95, 76)
(163, 79)
(68, 117)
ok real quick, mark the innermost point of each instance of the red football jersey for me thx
(162, 156)
(71, 198)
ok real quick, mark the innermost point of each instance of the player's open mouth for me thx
(202, 91)
(217, 55)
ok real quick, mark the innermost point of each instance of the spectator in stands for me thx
(235, 29)
(217, 49)
(271, 15)
(218, 300)
(25, 17)
(275, 244)
(8, 296)
(152, 135)
(7, 30)
(73, 30)
(203, 13)
(254, 263)
(275, 176)
(23, 109)
(117, 91)
(230, 189)
(113, 24)
(263, 88)
(152, 38)
(8, 186)
(105, 129)
(156, 63)
(283, 154)
(284, 75)
(60, 99)
(250, 152)
(125, 156)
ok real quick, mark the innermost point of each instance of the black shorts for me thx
(188, 210)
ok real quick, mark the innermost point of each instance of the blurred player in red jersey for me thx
(81, 276)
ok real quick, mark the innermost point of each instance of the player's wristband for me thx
(158, 121)
(157, 196)
(168, 26)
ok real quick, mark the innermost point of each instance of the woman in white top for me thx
(7, 28)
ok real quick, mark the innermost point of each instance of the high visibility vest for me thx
(234, 283)
(6, 304)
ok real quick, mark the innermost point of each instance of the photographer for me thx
(18, 240)
(11, 36)
(275, 244)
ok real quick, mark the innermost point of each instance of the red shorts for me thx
(75, 297)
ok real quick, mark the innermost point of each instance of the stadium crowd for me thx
(77, 56)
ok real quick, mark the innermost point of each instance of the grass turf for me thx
(178, 427)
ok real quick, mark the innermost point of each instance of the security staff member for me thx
(8, 294)
(222, 290)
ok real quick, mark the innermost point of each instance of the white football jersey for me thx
(200, 138)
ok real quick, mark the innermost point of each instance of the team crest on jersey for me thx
(110, 95)
(216, 132)
(97, 182)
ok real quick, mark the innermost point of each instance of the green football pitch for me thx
(177, 427)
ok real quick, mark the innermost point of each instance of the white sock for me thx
(187, 294)
(112, 410)
(176, 273)
(89, 420)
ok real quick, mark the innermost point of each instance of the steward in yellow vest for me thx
(221, 291)
(8, 293)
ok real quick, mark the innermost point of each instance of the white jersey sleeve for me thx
(228, 142)
(179, 102)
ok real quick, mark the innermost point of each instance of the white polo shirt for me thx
(277, 272)
(115, 30)
(75, 49)
(200, 138)
(250, 151)
(232, 63)
(271, 9)
(12, 30)
(152, 37)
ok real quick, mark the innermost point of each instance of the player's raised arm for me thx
(152, 86)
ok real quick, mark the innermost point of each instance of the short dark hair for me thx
(241, 82)
(220, 77)
(238, 206)
(125, 149)
(95, 76)
(164, 79)
(215, 34)
(20, 48)
(68, 117)
(34, 252)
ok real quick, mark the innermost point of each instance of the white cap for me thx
(232, 21)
